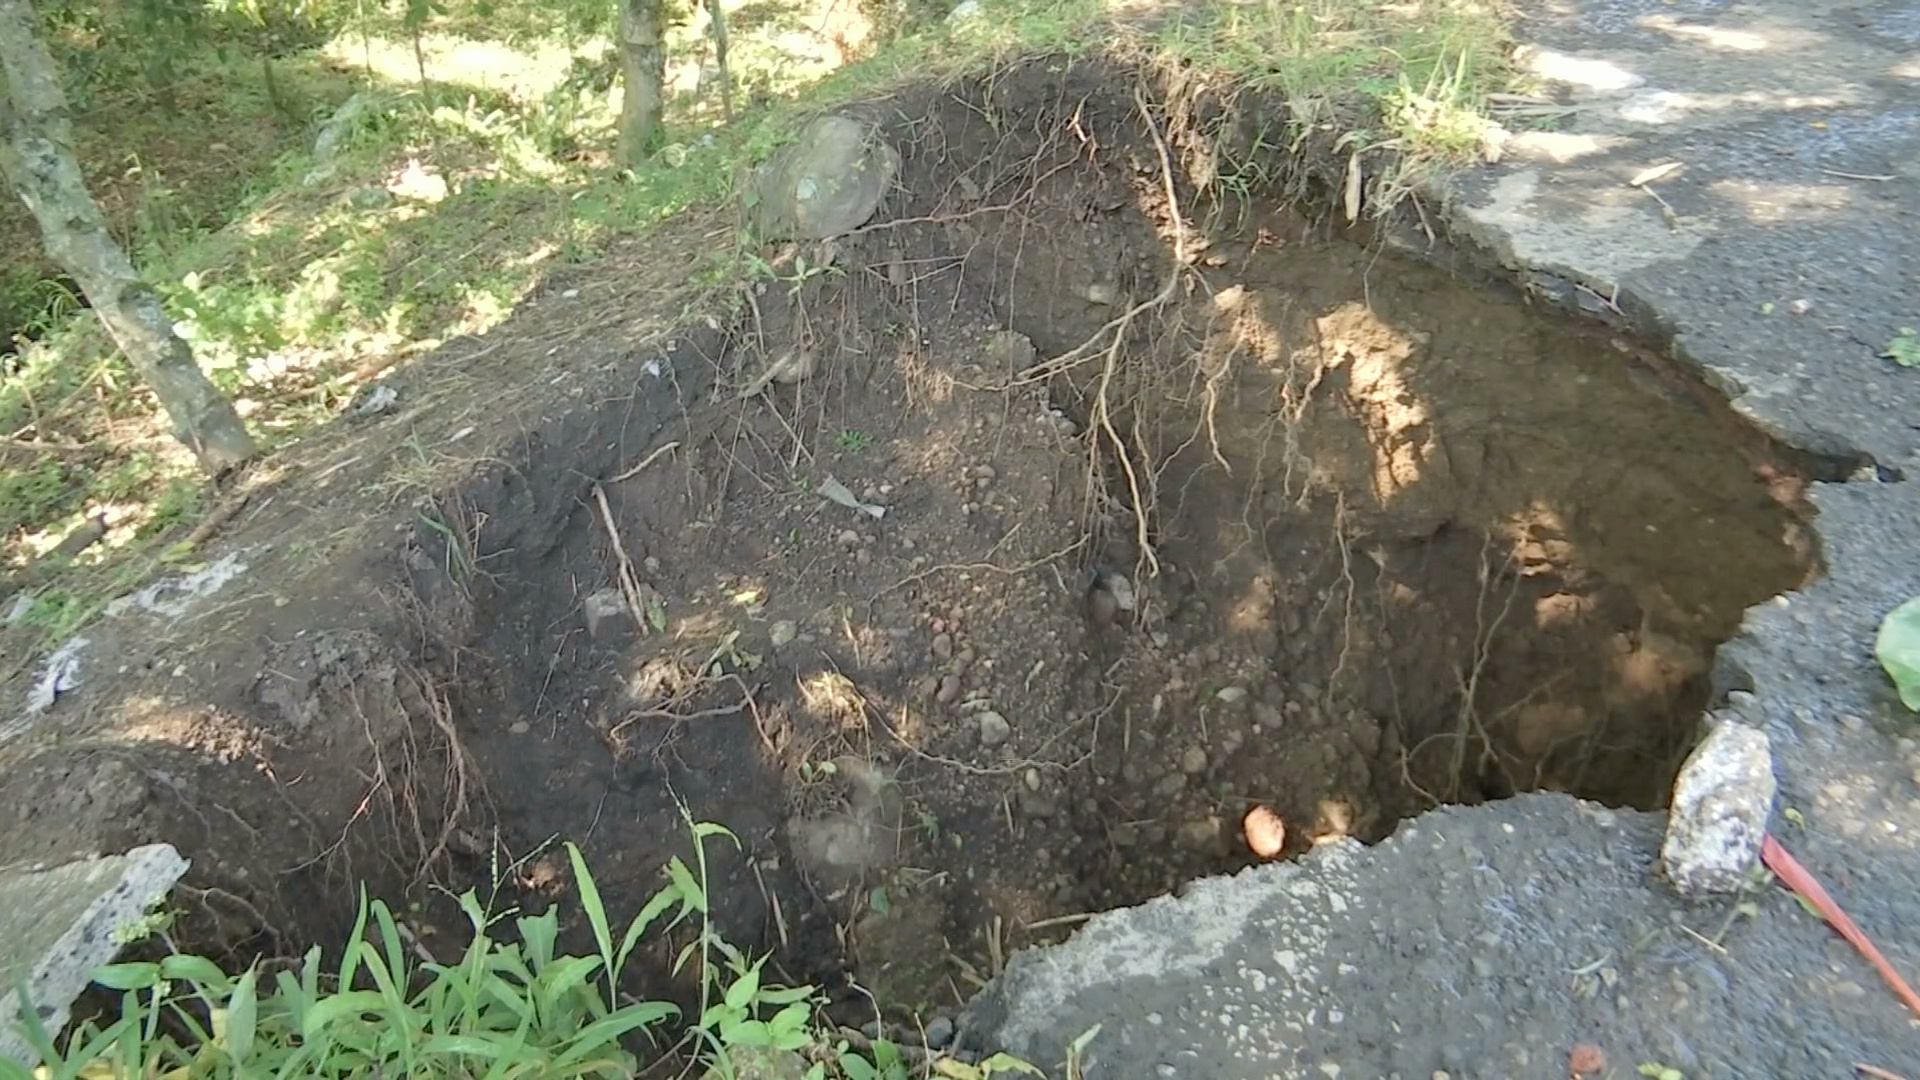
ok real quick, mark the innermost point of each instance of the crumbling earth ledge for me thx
(1487, 941)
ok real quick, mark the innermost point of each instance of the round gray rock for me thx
(827, 182)
(994, 728)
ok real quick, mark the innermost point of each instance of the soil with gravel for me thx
(1297, 525)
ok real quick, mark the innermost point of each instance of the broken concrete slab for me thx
(1482, 942)
(1780, 253)
(57, 924)
(1777, 261)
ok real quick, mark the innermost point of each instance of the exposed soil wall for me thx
(1192, 505)
(1393, 540)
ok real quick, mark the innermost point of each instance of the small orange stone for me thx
(1586, 1059)
(1266, 834)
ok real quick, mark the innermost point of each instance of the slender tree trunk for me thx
(643, 73)
(717, 20)
(36, 157)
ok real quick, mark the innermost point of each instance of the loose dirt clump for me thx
(985, 568)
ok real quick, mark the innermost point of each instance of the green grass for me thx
(511, 1004)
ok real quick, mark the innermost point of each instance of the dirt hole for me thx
(1392, 540)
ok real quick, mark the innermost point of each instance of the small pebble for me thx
(1037, 804)
(783, 632)
(1265, 833)
(1032, 779)
(519, 727)
(1231, 695)
(1585, 1059)
(849, 538)
(948, 691)
(1201, 833)
(1194, 761)
(994, 728)
(1102, 607)
(939, 1033)
(942, 647)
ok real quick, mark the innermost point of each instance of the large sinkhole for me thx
(1367, 537)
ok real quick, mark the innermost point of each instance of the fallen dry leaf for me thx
(1802, 882)
(1586, 1059)
(1648, 176)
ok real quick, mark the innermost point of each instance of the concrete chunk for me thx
(58, 924)
(1721, 802)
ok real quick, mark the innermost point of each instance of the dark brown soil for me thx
(1395, 540)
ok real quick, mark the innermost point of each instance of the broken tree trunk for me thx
(36, 157)
(643, 74)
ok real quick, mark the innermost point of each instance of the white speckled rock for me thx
(1721, 802)
(57, 924)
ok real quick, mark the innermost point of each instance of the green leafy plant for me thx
(803, 271)
(178, 503)
(811, 770)
(1904, 348)
(510, 1006)
(886, 1062)
(30, 495)
(1898, 649)
(853, 440)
